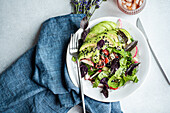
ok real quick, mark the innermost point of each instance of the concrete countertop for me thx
(20, 21)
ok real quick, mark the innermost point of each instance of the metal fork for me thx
(73, 50)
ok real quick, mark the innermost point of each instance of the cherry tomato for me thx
(106, 52)
(113, 88)
(106, 60)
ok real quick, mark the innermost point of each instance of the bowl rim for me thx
(131, 12)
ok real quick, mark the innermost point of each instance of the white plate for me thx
(115, 95)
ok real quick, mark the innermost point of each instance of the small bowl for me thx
(130, 12)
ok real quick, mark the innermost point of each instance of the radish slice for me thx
(87, 61)
(119, 23)
(91, 68)
(87, 76)
(135, 60)
(95, 74)
(136, 52)
(100, 85)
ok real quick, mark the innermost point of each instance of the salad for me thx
(108, 56)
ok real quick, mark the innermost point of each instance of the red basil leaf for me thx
(85, 33)
(115, 65)
(83, 70)
(100, 44)
(125, 38)
(131, 68)
(105, 91)
(131, 46)
(84, 23)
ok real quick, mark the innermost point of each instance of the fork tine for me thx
(73, 44)
(77, 42)
(70, 44)
(72, 40)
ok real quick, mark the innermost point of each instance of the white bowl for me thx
(115, 95)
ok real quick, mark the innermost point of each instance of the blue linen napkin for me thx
(38, 82)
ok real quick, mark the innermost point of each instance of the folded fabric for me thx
(38, 82)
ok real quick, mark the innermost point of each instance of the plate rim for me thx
(149, 57)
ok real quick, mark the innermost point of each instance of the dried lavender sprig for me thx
(87, 7)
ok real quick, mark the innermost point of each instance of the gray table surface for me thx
(20, 21)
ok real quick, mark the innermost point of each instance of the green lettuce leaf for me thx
(123, 61)
(96, 83)
(122, 82)
(73, 59)
(90, 72)
(103, 74)
(122, 52)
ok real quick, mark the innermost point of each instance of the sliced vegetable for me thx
(136, 52)
(119, 23)
(87, 61)
(120, 39)
(109, 49)
(131, 46)
(87, 76)
(91, 68)
(95, 74)
(113, 84)
(100, 85)
(135, 60)
(103, 74)
(106, 52)
(96, 56)
(106, 60)
(113, 88)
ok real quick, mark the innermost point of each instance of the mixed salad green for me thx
(106, 57)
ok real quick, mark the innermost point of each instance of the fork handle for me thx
(81, 87)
